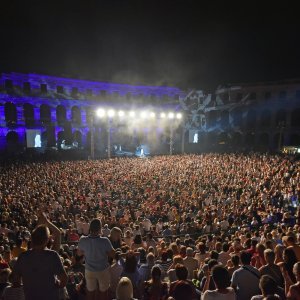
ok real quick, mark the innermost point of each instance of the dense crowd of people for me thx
(213, 226)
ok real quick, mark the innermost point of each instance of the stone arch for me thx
(45, 114)
(12, 139)
(28, 113)
(61, 114)
(76, 115)
(10, 112)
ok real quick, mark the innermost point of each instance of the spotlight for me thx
(111, 113)
(171, 115)
(178, 116)
(100, 113)
(152, 115)
(143, 114)
(132, 114)
(163, 115)
(121, 113)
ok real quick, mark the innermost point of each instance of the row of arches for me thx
(11, 117)
(251, 118)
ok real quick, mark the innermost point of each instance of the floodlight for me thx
(100, 112)
(132, 114)
(111, 113)
(178, 116)
(152, 115)
(171, 115)
(121, 113)
(163, 115)
(143, 114)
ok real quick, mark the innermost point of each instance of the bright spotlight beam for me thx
(111, 113)
(132, 114)
(171, 115)
(178, 116)
(163, 115)
(121, 113)
(100, 112)
(152, 115)
(143, 114)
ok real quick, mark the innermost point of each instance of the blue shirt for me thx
(96, 251)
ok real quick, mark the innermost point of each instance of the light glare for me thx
(121, 113)
(152, 114)
(132, 114)
(100, 112)
(171, 115)
(111, 113)
(179, 116)
(162, 115)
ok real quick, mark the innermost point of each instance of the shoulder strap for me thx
(255, 274)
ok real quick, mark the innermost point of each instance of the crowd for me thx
(214, 226)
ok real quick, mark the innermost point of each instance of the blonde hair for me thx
(124, 289)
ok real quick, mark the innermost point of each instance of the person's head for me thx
(279, 251)
(115, 234)
(164, 256)
(155, 273)
(177, 260)
(124, 289)
(189, 252)
(235, 259)
(212, 263)
(202, 248)
(214, 255)
(260, 248)
(138, 239)
(181, 272)
(183, 290)
(269, 256)
(245, 258)
(296, 271)
(221, 277)
(19, 242)
(150, 258)
(130, 262)
(267, 285)
(218, 247)
(40, 236)
(95, 226)
(289, 257)
(225, 247)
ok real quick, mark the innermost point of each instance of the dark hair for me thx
(164, 256)
(95, 226)
(214, 255)
(267, 285)
(130, 262)
(40, 235)
(245, 258)
(155, 273)
(212, 263)
(221, 277)
(183, 290)
(225, 247)
(181, 272)
(235, 260)
(138, 239)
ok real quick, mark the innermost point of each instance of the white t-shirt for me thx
(215, 295)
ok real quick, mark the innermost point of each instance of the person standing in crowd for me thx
(245, 280)
(96, 250)
(41, 269)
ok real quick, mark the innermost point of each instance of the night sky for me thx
(189, 44)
